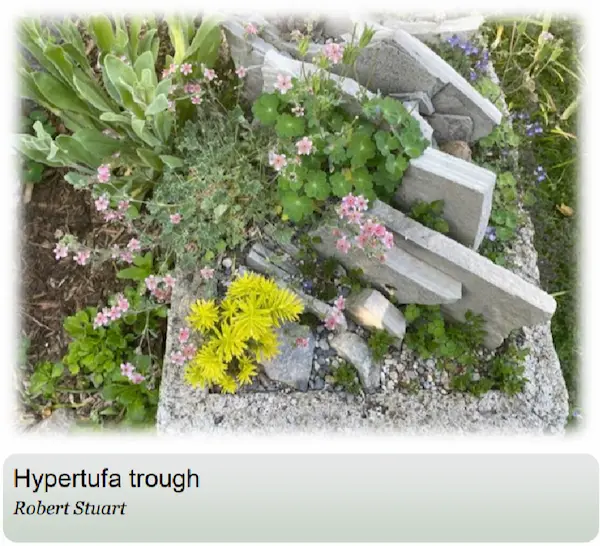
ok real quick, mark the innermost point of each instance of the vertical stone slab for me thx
(506, 301)
(465, 188)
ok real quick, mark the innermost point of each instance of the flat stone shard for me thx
(353, 349)
(448, 127)
(372, 310)
(506, 301)
(62, 421)
(411, 280)
(465, 188)
(293, 364)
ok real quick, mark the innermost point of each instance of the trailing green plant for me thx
(430, 215)
(329, 144)
(457, 347)
(219, 194)
(379, 342)
(125, 116)
(345, 375)
(33, 171)
(45, 379)
(111, 351)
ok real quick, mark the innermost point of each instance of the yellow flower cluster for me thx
(239, 333)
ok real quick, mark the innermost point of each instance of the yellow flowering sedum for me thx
(239, 332)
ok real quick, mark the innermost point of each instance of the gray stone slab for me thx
(293, 364)
(448, 127)
(352, 348)
(423, 100)
(409, 279)
(61, 422)
(372, 310)
(465, 188)
(506, 301)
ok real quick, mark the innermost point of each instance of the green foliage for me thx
(45, 378)
(33, 171)
(221, 190)
(430, 215)
(379, 343)
(346, 376)
(127, 101)
(95, 356)
(365, 154)
(457, 348)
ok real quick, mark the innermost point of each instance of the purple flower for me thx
(540, 173)
(532, 129)
(472, 75)
(490, 233)
(453, 41)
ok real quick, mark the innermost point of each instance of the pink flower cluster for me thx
(283, 83)
(336, 315)
(103, 173)
(111, 215)
(277, 161)
(241, 72)
(169, 71)
(160, 287)
(370, 236)
(207, 273)
(251, 29)
(301, 342)
(81, 255)
(186, 350)
(108, 315)
(334, 52)
(304, 146)
(192, 88)
(128, 371)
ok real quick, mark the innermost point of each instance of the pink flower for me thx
(177, 358)
(110, 215)
(210, 74)
(361, 203)
(284, 83)
(100, 320)
(127, 369)
(241, 72)
(61, 251)
(165, 73)
(388, 240)
(368, 228)
(82, 257)
(334, 52)
(189, 351)
(349, 201)
(184, 335)
(251, 29)
(169, 281)
(171, 106)
(186, 69)
(122, 303)
(136, 378)
(380, 231)
(106, 313)
(333, 319)
(172, 68)
(175, 218)
(114, 313)
(104, 173)
(354, 217)
(196, 99)
(134, 245)
(278, 161)
(343, 245)
(152, 283)
(298, 111)
(301, 342)
(207, 273)
(101, 203)
(123, 205)
(304, 146)
(340, 303)
(362, 240)
(126, 256)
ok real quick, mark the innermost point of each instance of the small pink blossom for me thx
(210, 74)
(114, 313)
(278, 161)
(123, 205)
(110, 215)
(136, 378)
(333, 319)
(241, 72)
(251, 29)
(177, 358)
(165, 73)
(122, 303)
(126, 256)
(172, 68)
(134, 245)
(103, 173)
(152, 282)
(61, 251)
(343, 245)
(175, 218)
(283, 84)
(304, 146)
(102, 203)
(106, 312)
(189, 351)
(349, 201)
(127, 369)
(169, 281)
(361, 203)
(186, 69)
(354, 216)
(298, 111)
(362, 240)
(196, 99)
(301, 342)
(340, 303)
(100, 320)
(207, 273)
(334, 52)
(388, 240)
(82, 257)
(184, 335)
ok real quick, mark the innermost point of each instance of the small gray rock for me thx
(353, 349)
